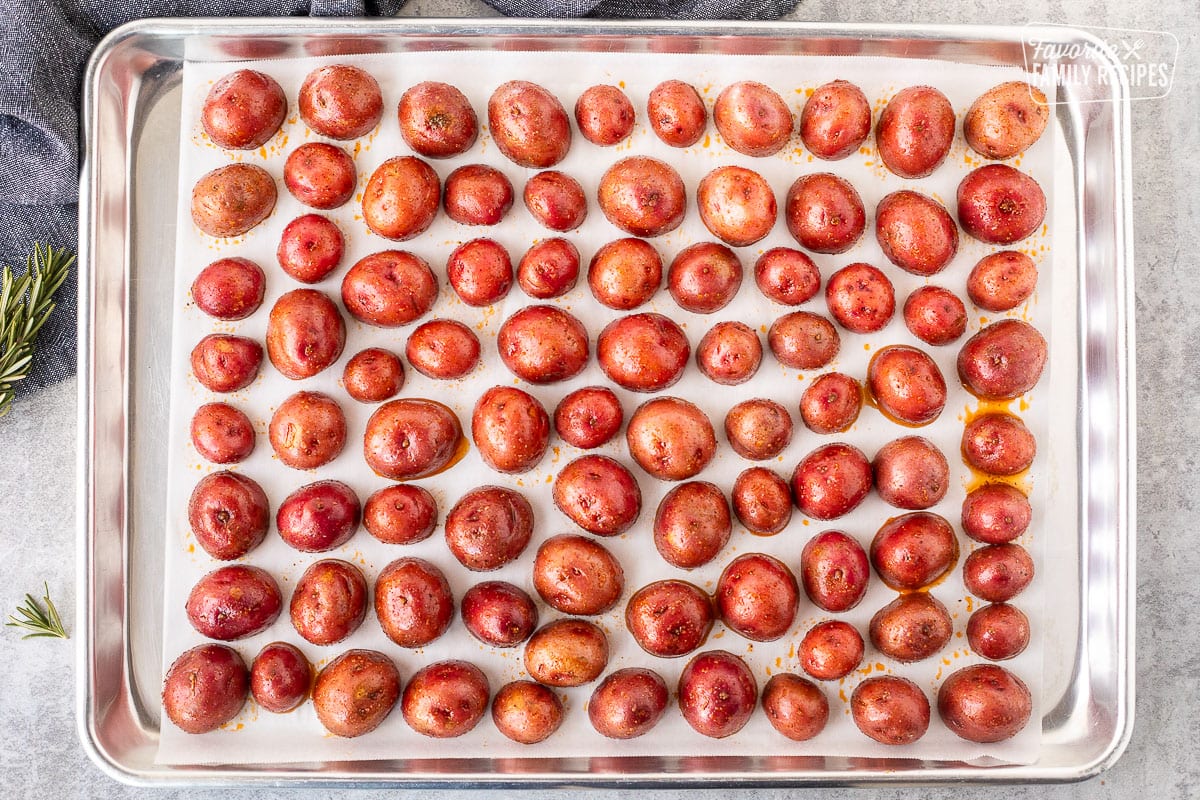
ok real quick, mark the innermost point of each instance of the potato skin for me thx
(228, 514)
(589, 417)
(229, 288)
(318, 516)
(436, 120)
(477, 194)
(625, 273)
(762, 501)
(890, 709)
(758, 429)
(676, 113)
(787, 276)
(604, 115)
(224, 363)
(443, 349)
(528, 124)
(692, 524)
(915, 232)
(670, 438)
(566, 652)
(480, 272)
(320, 175)
(280, 677)
(911, 473)
(1002, 281)
(577, 575)
(1003, 361)
(550, 268)
(835, 121)
(401, 198)
(834, 571)
(704, 277)
(717, 693)
(824, 213)
(935, 315)
(355, 692)
(995, 513)
(729, 353)
(915, 131)
(598, 494)
(498, 613)
(831, 650)
(1006, 120)
(308, 430)
(234, 602)
(831, 481)
(526, 712)
(643, 196)
(736, 205)
(411, 438)
(998, 444)
(861, 298)
(543, 344)
(998, 631)
(231, 200)
(911, 628)
(205, 688)
(340, 101)
(1000, 205)
(757, 596)
(628, 703)
(669, 618)
(999, 572)
(310, 248)
(445, 699)
(243, 110)
(913, 551)
(906, 384)
(643, 352)
(489, 527)
(400, 514)
(389, 289)
(222, 434)
(555, 200)
(984, 703)
(329, 602)
(305, 333)
(413, 602)
(831, 403)
(373, 375)
(510, 428)
(795, 706)
(752, 118)
(803, 340)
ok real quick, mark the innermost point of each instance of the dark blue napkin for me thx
(44, 45)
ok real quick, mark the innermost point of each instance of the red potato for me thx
(996, 513)
(906, 384)
(477, 194)
(320, 175)
(831, 650)
(625, 273)
(280, 678)
(717, 693)
(318, 517)
(998, 631)
(543, 344)
(577, 575)
(1000, 205)
(389, 289)
(373, 375)
(831, 481)
(588, 417)
(307, 431)
(628, 703)
(555, 200)
(222, 434)
(234, 602)
(803, 340)
(1003, 361)
(598, 494)
(228, 514)
(861, 298)
(305, 334)
(499, 614)
(411, 438)
(413, 602)
(831, 403)
(224, 363)
(480, 272)
(911, 473)
(935, 315)
(205, 688)
(526, 712)
(229, 289)
(984, 703)
(999, 572)
(642, 196)
(604, 115)
(233, 199)
(443, 349)
(445, 699)
(795, 706)
(915, 131)
(890, 709)
(704, 277)
(911, 628)
(835, 121)
(548, 269)
(528, 124)
(915, 232)
(914, 551)
(436, 120)
(757, 596)
(643, 352)
(243, 110)
(400, 514)
(736, 205)
(489, 527)
(355, 692)
(670, 438)
(998, 444)
(676, 113)
(787, 276)
(762, 501)
(401, 198)
(758, 429)
(329, 602)
(824, 213)
(692, 524)
(752, 118)
(510, 428)
(729, 353)
(834, 571)
(566, 652)
(340, 101)
(1002, 281)
(311, 247)
(669, 618)
(1006, 119)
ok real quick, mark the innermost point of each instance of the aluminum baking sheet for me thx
(141, 68)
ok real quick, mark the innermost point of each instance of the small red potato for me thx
(224, 363)
(803, 340)
(480, 272)
(604, 115)
(914, 551)
(445, 699)
(320, 175)
(669, 618)
(598, 494)
(757, 596)
(499, 614)
(890, 709)
(305, 333)
(413, 602)
(762, 501)
(510, 428)
(311, 247)
(528, 124)
(835, 121)
(229, 288)
(205, 688)
(228, 514)
(234, 602)
(625, 273)
(588, 417)
(998, 631)
(704, 277)
(373, 375)
(717, 693)
(831, 650)
(999, 572)
(998, 444)
(436, 120)
(984, 703)
(566, 652)
(477, 194)
(752, 118)
(935, 315)
(231, 200)
(389, 289)
(340, 101)
(736, 205)
(318, 517)
(401, 198)
(243, 110)
(831, 403)
(555, 200)
(526, 712)
(400, 514)
(995, 513)
(831, 481)
(787, 276)
(329, 602)
(795, 706)
(443, 349)
(692, 524)
(355, 692)
(915, 232)
(1003, 361)
(489, 526)
(912, 627)
(307, 431)
(824, 213)
(670, 438)
(911, 473)
(834, 571)
(729, 353)
(758, 429)
(1006, 120)
(915, 131)
(548, 269)
(280, 678)
(222, 434)
(861, 298)
(1002, 281)
(906, 385)
(543, 344)
(411, 438)
(676, 113)
(628, 703)
(1000, 205)
(577, 575)
(643, 352)
(643, 196)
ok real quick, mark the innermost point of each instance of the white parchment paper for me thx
(258, 736)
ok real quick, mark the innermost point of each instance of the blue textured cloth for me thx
(44, 45)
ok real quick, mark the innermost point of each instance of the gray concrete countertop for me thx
(42, 757)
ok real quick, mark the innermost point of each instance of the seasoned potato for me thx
(787, 276)
(1003, 361)
(915, 232)
(543, 344)
(445, 699)
(598, 494)
(625, 273)
(935, 315)
(831, 403)
(717, 693)
(1000, 205)
(861, 298)
(510, 428)
(222, 434)
(566, 652)
(824, 213)
(604, 115)
(831, 650)
(413, 602)
(704, 277)
(1006, 119)
(400, 514)
(995, 513)
(401, 198)
(676, 113)
(555, 200)
(436, 120)
(329, 602)
(443, 349)
(643, 196)
(835, 121)
(243, 110)
(305, 333)
(340, 101)
(834, 571)
(628, 703)
(752, 118)
(890, 709)
(477, 194)
(912, 627)
(588, 417)
(225, 363)
(915, 131)
(280, 677)
(308, 430)
(228, 514)
(911, 473)
(355, 692)
(670, 438)
(231, 200)
(320, 175)
(998, 444)
(480, 272)
(528, 124)
(1002, 281)
(229, 288)
(373, 375)
(999, 572)
(549, 268)
(318, 516)
(234, 602)
(489, 527)
(803, 340)
(914, 551)
(736, 205)
(310, 248)
(526, 712)
(577, 575)
(998, 631)
(906, 384)
(762, 501)
(669, 618)
(692, 524)
(984, 703)
(831, 481)
(795, 706)
(389, 289)
(757, 596)
(411, 438)
(643, 352)
(499, 614)
(205, 688)
(758, 429)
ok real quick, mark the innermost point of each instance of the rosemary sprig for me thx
(39, 621)
(25, 304)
